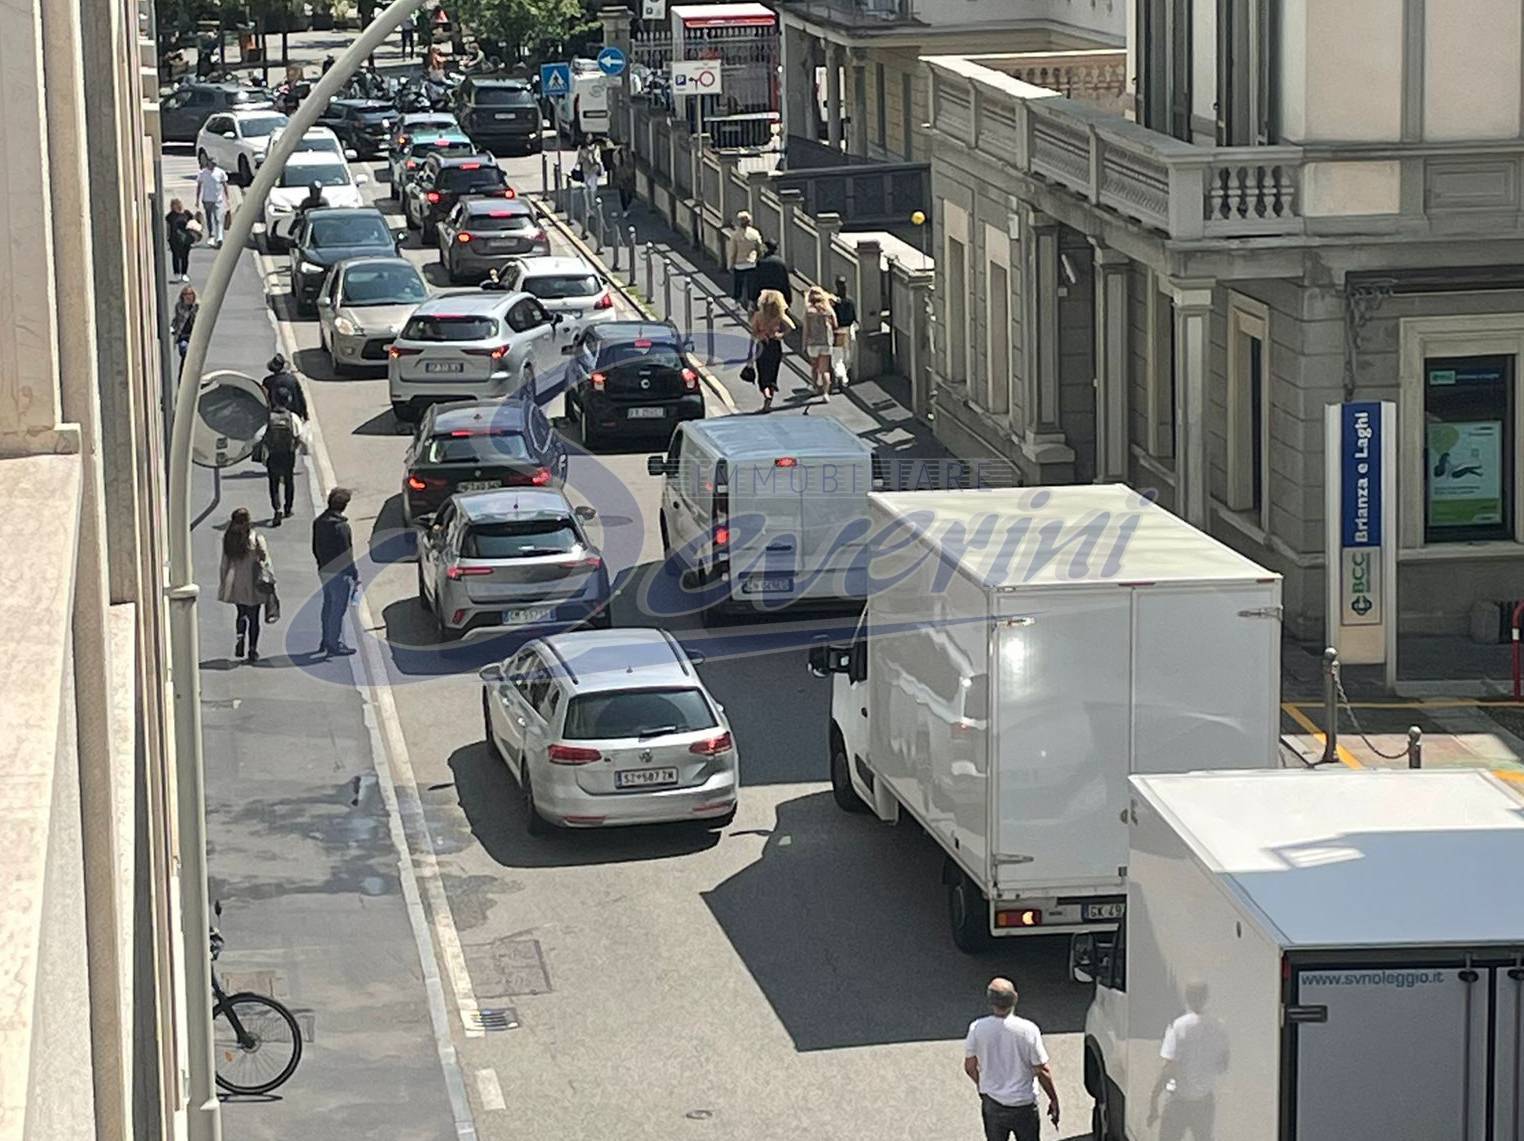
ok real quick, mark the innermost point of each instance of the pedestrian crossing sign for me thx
(555, 79)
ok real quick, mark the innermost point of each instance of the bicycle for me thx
(255, 1036)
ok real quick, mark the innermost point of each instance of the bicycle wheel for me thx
(266, 1053)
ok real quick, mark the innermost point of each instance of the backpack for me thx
(280, 433)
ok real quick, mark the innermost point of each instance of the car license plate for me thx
(1094, 912)
(779, 584)
(646, 413)
(644, 778)
(478, 484)
(528, 616)
(444, 366)
(505, 115)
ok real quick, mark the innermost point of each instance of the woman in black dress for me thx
(769, 324)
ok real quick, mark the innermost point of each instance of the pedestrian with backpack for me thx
(283, 435)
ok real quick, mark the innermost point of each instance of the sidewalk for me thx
(301, 852)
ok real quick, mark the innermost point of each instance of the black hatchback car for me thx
(323, 238)
(629, 377)
(364, 125)
(500, 115)
(443, 180)
(477, 445)
(182, 112)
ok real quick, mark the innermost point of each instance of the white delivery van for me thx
(766, 512)
(1021, 653)
(583, 112)
(1313, 956)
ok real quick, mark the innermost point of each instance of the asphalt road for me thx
(791, 977)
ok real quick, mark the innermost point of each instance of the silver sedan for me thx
(363, 304)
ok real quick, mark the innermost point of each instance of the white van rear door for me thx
(834, 514)
(765, 526)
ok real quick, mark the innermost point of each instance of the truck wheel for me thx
(968, 915)
(841, 781)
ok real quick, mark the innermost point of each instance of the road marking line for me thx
(1306, 723)
(489, 1090)
(389, 753)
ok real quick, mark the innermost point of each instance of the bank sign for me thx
(1361, 504)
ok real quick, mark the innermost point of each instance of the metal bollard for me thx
(650, 272)
(558, 200)
(631, 232)
(1330, 706)
(688, 306)
(1415, 747)
(614, 267)
(666, 288)
(708, 328)
(544, 173)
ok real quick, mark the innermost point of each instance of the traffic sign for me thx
(653, 9)
(555, 79)
(611, 61)
(696, 77)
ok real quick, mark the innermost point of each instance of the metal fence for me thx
(745, 115)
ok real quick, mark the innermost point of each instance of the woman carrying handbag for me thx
(246, 581)
(768, 325)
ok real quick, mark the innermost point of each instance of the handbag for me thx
(193, 228)
(264, 587)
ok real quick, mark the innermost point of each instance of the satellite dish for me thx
(231, 414)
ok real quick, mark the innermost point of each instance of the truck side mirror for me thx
(828, 660)
(656, 465)
(1082, 958)
(491, 675)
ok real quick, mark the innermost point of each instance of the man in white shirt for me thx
(212, 194)
(1005, 1059)
(1195, 1055)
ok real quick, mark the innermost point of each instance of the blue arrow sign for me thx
(555, 79)
(611, 61)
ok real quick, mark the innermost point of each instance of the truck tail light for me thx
(605, 301)
(712, 746)
(457, 572)
(599, 379)
(690, 380)
(560, 754)
(1019, 917)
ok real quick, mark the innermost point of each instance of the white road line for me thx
(489, 1092)
(394, 771)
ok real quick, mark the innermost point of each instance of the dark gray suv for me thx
(182, 113)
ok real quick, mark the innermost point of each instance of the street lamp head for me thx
(918, 218)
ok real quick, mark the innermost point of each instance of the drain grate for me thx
(504, 1018)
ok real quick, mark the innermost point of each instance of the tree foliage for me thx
(533, 29)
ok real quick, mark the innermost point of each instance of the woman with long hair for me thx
(242, 553)
(184, 320)
(769, 324)
(819, 335)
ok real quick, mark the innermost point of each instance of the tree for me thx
(532, 28)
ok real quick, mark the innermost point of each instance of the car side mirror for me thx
(568, 350)
(827, 660)
(324, 303)
(362, 179)
(399, 236)
(491, 675)
(555, 319)
(229, 134)
(1082, 958)
(584, 512)
(351, 154)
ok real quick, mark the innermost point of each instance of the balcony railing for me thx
(855, 13)
(1095, 77)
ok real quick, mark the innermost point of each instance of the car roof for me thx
(310, 158)
(314, 131)
(420, 116)
(242, 112)
(554, 266)
(765, 438)
(375, 259)
(502, 503)
(626, 657)
(462, 160)
(491, 204)
(452, 133)
(499, 81)
(345, 212)
(475, 301)
(623, 332)
(460, 414)
(363, 104)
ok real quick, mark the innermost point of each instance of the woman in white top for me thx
(592, 173)
(745, 249)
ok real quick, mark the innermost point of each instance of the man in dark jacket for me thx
(333, 548)
(771, 273)
(282, 389)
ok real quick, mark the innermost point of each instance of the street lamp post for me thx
(204, 1120)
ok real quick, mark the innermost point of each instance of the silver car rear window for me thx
(636, 713)
(439, 327)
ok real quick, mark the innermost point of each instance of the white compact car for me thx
(315, 140)
(610, 727)
(304, 169)
(237, 140)
(564, 285)
(470, 345)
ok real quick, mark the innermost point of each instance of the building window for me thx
(1468, 405)
(957, 309)
(1159, 378)
(999, 348)
(1164, 66)
(907, 113)
(881, 106)
(1248, 406)
(1245, 72)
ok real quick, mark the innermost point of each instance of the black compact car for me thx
(500, 115)
(443, 180)
(475, 445)
(630, 377)
(182, 113)
(363, 125)
(323, 238)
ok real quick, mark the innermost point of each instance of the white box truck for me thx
(1313, 956)
(1021, 653)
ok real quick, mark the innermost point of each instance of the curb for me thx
(711, 382)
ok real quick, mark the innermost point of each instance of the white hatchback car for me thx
(237, 140)
(610, 727)
(470, 345)
(564, 285)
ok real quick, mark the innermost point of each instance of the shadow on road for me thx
(494, 809)
(843, 926)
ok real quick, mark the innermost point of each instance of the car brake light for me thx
(394, 352)
(510, 192)
(721, 536)
(1021, 917)
(599, 379)
(456, 573)
(690, 380)
(604, 302)
(712, 746)
(540, 477)
(412, 164)
(642, 344)
(785, 461)
(402, 141)
(592, 562)
(462, 237)
(500, 213)
(535, 235)
(432, 197)
(422, 483)
(560, 754)
(470, 166)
